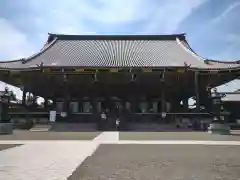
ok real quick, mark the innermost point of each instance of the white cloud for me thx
(167, 17)
(226, 12)
(120, 11)
(231, 50)
(233, 38)
(86, 17)
(13, 43)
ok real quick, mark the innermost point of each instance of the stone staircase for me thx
(41, 127)
(74, 127)
(155, 127)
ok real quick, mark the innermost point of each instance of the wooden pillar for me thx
(66, 100)
(185, 103)
(54, 103)
(196, 81)
(163, 99)
(66, 103)
(24, 96)
(95, 117)
(94, 105)
(34, 101)
(133, 109)
(80, 104)
(45, 102)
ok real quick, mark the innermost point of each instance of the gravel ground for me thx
(161, 162)
(8, 146)
(177, 136)
(28, 135)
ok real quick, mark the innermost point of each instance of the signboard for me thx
(52, 116)
(63, 114)
(147, 70)
(164, 114)
(180, 70)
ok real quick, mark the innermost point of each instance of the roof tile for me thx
(122, 51)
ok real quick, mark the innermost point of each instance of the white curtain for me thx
(74, 107)
(99, 106)
(168, 106)
(86, 107)
(59, 106)
(128, 106)
(155, 107)
(143, 106)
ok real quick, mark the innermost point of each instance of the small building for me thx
(143, 76)
(231, 103)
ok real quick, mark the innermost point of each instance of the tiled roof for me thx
(232, 97)
(117, 51)
(11, 64)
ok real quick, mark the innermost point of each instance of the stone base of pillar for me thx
(218, 128)
(6, 128)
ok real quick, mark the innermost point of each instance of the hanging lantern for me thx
(164, 114)
(65, 78)
(133, 78)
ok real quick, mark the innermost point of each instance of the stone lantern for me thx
(218, 125)
(5, 120)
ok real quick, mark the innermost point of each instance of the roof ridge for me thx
(224, 62)
(118, 37)
(189, 50)
(206, 60)
(46, 47)
(11, 61)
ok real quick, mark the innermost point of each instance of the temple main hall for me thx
(142, 78)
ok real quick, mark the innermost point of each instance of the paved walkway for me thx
(102, 141)
(54, 160)
(179, 142)
(112, 136)
(48, 160)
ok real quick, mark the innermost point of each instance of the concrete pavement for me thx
(56, 160)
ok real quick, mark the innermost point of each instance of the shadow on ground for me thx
(8, 146)
(198, 136)
(49, 135)
(152, 162)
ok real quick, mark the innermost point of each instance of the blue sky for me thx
(212, 26)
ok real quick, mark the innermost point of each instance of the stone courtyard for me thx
(120, 155)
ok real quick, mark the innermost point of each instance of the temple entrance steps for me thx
(41, 127)
(73, 127)
(158, 127)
